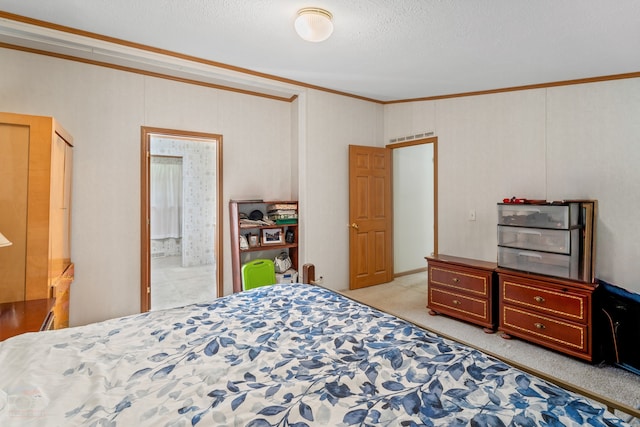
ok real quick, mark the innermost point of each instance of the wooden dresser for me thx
(463, 288)
(35, 181)
(549, 311)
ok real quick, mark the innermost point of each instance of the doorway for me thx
(415, 196)
(181, 218)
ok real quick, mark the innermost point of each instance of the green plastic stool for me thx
(256, 273)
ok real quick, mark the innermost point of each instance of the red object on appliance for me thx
(514, 200)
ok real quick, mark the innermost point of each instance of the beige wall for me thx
(332, 124)
(565, 142)
(104, 109)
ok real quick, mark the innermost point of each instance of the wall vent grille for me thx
(411, 137)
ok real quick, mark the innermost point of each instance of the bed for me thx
(284, 355)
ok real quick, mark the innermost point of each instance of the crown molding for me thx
(44, 38)
(35, 38)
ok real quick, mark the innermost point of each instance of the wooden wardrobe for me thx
(35, 215)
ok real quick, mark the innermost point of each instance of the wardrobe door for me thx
(59, 208)
(14, 180)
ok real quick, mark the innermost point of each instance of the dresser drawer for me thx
(539, 239)
(475, 282)
(545, 330)
(546, 300)
(459, 305)
(558, 265)
(542, 215)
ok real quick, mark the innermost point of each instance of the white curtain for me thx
(166, 197)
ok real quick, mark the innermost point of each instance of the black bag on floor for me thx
(618, 314)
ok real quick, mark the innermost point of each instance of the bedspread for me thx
(284, 355)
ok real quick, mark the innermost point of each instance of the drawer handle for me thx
(530, 254)
(538, 299)
(535, 233)
(455, 280)
(456, 302)
(539, 325)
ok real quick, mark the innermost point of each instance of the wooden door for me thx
(370, 216)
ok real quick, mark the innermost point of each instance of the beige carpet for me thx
(406, 297)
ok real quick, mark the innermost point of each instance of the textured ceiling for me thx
(380, 49)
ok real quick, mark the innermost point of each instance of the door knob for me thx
(354, 225)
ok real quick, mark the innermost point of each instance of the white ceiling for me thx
(380, 49)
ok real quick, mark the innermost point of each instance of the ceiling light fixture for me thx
(314, 24)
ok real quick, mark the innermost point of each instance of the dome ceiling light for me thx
(314, 24)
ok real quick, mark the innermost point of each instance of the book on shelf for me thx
(251, 223)
(282, 206)
(277, 217)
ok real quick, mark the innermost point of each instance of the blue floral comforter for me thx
(285, 355)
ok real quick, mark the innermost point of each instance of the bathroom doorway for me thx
(181, 218)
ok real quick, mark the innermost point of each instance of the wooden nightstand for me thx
(463, 288)
(25, 316)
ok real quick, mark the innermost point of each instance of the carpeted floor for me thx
(406, 297)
